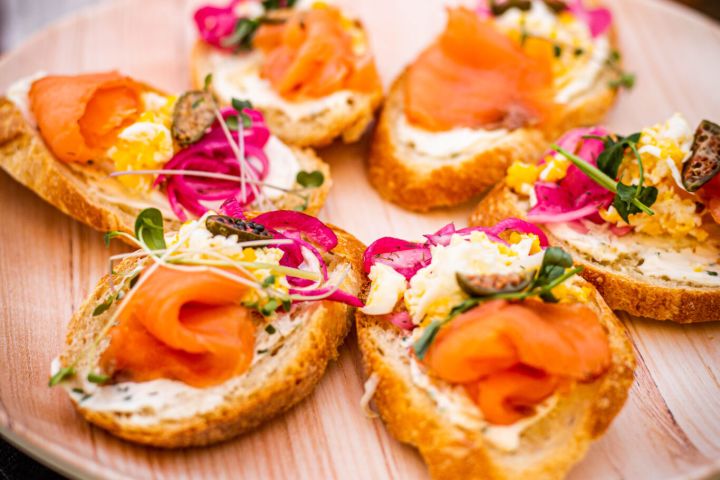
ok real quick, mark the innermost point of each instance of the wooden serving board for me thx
(670, 427)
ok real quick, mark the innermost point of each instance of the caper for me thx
(498, 8)
(194, 114)
(245, 230)
(492, 283)
(704, 161)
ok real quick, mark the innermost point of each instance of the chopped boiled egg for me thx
(522, 176)
(145, 144)
(387, 288)
(578, 57)
(663, 148)
(434, 290)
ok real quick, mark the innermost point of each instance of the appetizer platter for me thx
(267, 304)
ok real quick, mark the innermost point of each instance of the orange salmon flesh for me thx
(185, 326)
(511, 356)
(475, 76)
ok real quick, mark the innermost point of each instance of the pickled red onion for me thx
(215, 23)
(213, 153)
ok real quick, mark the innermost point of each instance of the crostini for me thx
(640, 212)
(498, 84)
(207, 332)
(101, 147)
(308, 69)
(487, 353)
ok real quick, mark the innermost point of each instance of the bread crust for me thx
(548, 448)
(423, 185)
(405, 178)
(71, 187)
(347, 124)
(632, 293)
(297, 368)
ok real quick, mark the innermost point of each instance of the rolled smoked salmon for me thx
(513, 355)
(311, 55)
(475, 76)
(186, 326)
(80, 116)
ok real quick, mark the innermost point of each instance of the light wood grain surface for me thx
(670, 427)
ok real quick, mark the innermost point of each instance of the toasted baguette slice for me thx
(622, 287)
(547, 448)
(411, 178)
(278, 381)
(86, 193)
(347, 119)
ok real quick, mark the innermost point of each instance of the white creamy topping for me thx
(18, 94)
(584, 77)
(573, 83)
(238, 76)
(461, 411)
(661, 258)
(447, 143)
(157, 400)
(542, 22)
(434, 289)
(284, 167)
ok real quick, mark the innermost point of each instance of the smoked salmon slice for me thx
(186, 326)
(311, 55)
(80, 116)
(490, 348)
(475, 76)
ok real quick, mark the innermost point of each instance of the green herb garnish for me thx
(711, 273)
(149, 229)
(239, 106)
(312, 179)
(623, 78)
(269, 280)
(97, 377)
(629, 199)
(60, 375)
(554, 270)
(269, 307)
(245, 29)
(102, 308)
(207, 82)
(270, 329)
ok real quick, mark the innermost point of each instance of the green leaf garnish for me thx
(639, 197)
(625, 80)
(275, 4)
(232, 123)
(242, 35)
(269, 280)
(626, 194)
(102, 308)
(312, 179)
(270, 307)
(62, 374)
(207, 82)
(554, 270)
(97, 377)
(611, 157)
(239, 106)
(149, 229)
(110, 235)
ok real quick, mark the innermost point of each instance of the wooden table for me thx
(669, 428)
